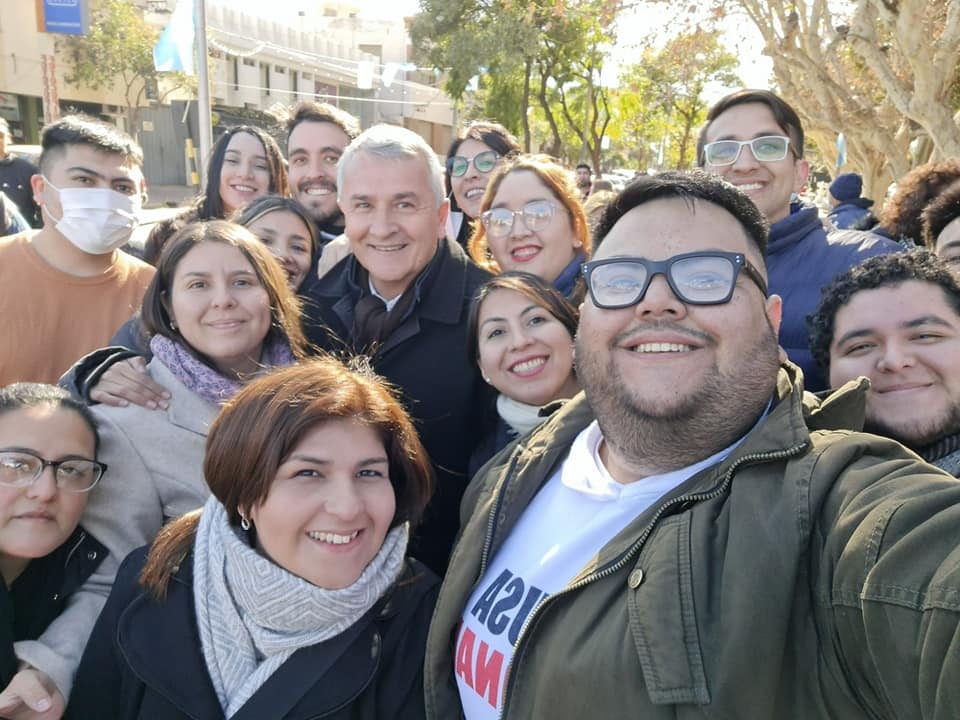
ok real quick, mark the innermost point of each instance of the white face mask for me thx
(96, 220)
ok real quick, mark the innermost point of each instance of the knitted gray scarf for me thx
(253, 614)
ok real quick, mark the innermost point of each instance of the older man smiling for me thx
(401, 298)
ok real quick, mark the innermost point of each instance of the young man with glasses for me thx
(690, 537)
(755, 141)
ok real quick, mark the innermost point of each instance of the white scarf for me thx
(253, 614)
(522, 418)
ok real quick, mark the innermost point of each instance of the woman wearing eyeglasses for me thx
(531, 220)
(48, 449)
(476, 152)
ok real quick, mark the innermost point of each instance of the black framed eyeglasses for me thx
(769, 148)
(22, 468)
(696, 278)
(536, 215)
(484, 162)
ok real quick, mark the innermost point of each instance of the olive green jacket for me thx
(814, 573)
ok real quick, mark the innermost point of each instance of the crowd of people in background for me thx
(367, 432)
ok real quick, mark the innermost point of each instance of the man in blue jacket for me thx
(847, 208)
(754, 140)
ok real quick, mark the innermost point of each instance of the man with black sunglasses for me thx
(754, 140)
(695, 536)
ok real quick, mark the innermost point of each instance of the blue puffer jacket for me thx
(850, 213)
(801, 259)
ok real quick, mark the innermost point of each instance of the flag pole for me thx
(203, 90)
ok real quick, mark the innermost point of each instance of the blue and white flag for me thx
(174, 49)
(841, 150)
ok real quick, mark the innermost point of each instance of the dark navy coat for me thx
(144, 660)
(801, 259)
(851, 213)
(40, 593)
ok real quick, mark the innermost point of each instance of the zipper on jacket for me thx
(635, 548)
(494, 513)
(76, 546)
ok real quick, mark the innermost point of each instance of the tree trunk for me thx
(556, 144)
(525, 119)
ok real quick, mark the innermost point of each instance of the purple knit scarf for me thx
(200, 378)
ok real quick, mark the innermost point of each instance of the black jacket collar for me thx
(161, 643)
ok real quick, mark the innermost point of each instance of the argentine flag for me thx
(841, 150)
(174, 49)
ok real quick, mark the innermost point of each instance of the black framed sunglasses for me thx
(484, 162)
(696, 278)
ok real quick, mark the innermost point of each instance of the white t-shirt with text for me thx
(579, 510)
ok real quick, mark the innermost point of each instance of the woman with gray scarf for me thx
(289, 594)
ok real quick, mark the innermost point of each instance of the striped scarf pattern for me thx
(253, 614)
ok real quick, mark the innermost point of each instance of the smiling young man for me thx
(754, 140)
(896, 320)
(317, 135)
(690, 537)
(401, 298)
(65, 289)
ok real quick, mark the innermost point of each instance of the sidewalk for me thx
(168, 195)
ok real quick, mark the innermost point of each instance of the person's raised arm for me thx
(890, 586)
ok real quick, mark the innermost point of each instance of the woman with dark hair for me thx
(48, 466)
(281, 223)
(520, 332)
(477, 150)
(285, 226)
(289, 595)
(531, 220)
(218, 312)
(245, 164)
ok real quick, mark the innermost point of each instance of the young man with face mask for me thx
(66, 288)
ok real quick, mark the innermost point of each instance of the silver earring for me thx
(244, 523)
(485, 379)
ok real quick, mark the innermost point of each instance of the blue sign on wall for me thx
(67, 17)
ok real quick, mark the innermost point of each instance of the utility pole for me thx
(205, 125)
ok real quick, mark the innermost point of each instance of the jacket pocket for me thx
(663, 617)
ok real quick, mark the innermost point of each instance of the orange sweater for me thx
(49, 319)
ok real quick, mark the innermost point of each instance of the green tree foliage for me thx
(662, 100)
(118, 52)
(886, 73)
(524, 53)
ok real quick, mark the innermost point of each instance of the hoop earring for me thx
(244, 522)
